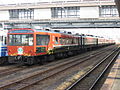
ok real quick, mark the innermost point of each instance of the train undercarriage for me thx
(30, 60)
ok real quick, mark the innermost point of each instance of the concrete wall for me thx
(42, 14)
(89, 12)
(4, 15)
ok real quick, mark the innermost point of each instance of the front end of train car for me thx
(21, 45)
(3, 47)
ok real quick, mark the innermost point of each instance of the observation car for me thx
(30, 45)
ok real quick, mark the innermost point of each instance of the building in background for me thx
(92, 14)
(75, 9)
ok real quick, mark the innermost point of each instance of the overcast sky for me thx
(113, 33)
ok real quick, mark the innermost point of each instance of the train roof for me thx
(31, 29)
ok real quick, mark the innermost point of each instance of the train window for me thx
(1, 26)
(90, 40)
(63, 41)
(66, 40)
(5, 40)
(87, 41)
(56, 40)
(42, 39)
(70, 41)
(77, 40)
(60, 40)
(21, 40)
(0, 38)
(73, 41)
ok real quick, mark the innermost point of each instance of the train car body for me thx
(25, 44)
(29, 46)
(89, 42)
(104, 42)
(3, 47)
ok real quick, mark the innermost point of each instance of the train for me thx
(3, 47)
(29, 45)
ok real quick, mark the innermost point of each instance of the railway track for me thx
(30, 79)
(16, 68)
(12, 68)
(89, 80)
(9, 70)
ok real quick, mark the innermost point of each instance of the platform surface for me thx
(113, 80)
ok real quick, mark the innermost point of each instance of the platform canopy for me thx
(118, 5)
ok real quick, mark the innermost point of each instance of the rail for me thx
(39, 76)
(89, 74)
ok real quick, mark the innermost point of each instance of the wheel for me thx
(3, 60)
(51, 58)
(30, 61)
(43, 60)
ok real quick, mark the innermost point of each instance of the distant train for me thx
(3, 47)
(30, 46)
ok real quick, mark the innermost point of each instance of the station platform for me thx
(113, 80)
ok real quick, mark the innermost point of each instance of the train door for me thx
(83, 42)
(0, 44)
(42, 42)
(80, 41)
(97, 41)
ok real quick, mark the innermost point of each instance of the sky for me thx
(113, 33)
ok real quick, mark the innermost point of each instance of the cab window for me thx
(21, 40)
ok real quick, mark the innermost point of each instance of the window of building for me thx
(108, 11)
(21, 14)
(62, 12)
